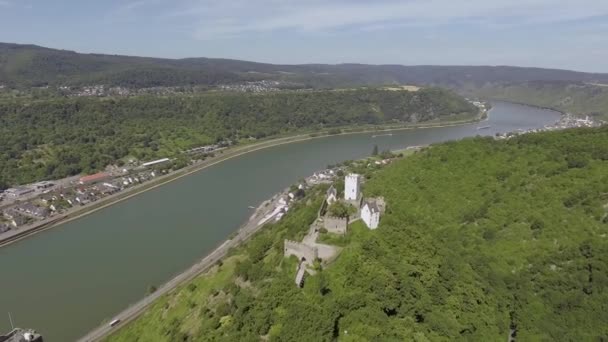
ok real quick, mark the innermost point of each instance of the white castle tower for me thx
(351, 187)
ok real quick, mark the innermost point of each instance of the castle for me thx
(352, 187)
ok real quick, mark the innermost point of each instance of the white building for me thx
(155, 162)
(352, 187)
(370, 214)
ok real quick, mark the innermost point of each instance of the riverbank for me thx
(261, 216)
(226, 154)
(265, 213)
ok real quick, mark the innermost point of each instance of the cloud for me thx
(218, 18)
(131, 11)
(4, 3)
(128, 7)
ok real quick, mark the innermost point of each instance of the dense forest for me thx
(24, 66)
(481, 239)
(58, 137)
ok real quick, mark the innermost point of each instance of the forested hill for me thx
(58, 137)
(29, 65)
(574, 97)
(480, 238)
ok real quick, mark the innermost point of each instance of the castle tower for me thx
(351, 187)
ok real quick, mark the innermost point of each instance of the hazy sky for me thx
(571, 34)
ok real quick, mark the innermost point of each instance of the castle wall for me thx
(300, 250)
(335, 225)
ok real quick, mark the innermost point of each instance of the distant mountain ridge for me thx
(32, 66)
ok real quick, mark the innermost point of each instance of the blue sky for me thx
(546, 33)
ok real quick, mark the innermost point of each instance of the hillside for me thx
(574, 97)
(480, 237)
(25, 66)
(59, 137)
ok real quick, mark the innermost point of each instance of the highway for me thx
(132, 312)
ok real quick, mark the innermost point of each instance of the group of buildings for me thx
(49, 200)
(369, 209)
(21, 335)
(566, 121)
(29, 204)
(209, 148)
(252, 87)
(309, 249)
(103, 91)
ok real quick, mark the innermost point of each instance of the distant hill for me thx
(575, 97)
(30, 66)
(59, 137)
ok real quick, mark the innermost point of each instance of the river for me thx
(67, 280)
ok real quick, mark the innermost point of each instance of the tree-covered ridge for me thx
(60, 137)
(491, 234)
(25, 66)
(480, 237)
(574, 97)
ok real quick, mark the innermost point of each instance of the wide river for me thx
(67, 280)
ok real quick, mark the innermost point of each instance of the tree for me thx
(151, 289)
(3, 185)
(375, 151)
(341, 209)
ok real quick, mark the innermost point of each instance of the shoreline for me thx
(530, 105)
(222, 250)
(226, 155)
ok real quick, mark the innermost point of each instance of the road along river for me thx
(67, 280)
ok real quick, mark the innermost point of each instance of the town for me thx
(100, 90)
(566, 121)
(27, 208)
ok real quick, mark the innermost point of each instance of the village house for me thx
(371, 211)
(108, 189)
(14, 218)
(4, 228)
(33, 210)
(84, 198)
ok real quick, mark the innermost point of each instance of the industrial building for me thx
(19, 192)
(95, 178)
(155, 162)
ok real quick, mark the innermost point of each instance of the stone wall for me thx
(300, 250)
(335, 225)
